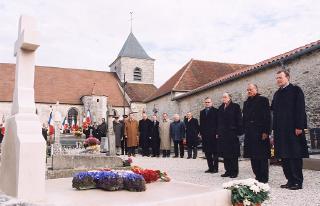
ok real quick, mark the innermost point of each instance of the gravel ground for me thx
(192, 170)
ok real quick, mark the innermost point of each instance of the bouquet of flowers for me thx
(84, 181)
(151, 175)
(134, 182)
(91, 141)
(127, 162)
(77, 133)
(247, 192)
(109, 180)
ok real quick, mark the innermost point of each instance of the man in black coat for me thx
(229, 128)
(145, 125)
(257, 126)
(103, 128)
(289, 122)
(208, 132)
(192, 133)
(155, 138)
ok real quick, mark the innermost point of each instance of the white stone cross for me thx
(22, 172)
(25, 47)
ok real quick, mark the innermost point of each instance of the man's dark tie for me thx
(207, 111)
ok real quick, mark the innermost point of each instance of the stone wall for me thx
(127, 65)
(163, 104)
(97, 106)
(304, 71)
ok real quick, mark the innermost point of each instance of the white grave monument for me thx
(22, 172)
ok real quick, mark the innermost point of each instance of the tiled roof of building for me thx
(67, 86)
(276, 60)
(132, 48)
(193, 75)
(139, 92)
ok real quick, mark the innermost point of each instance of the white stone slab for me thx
(60, 192)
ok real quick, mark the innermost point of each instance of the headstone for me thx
(22, 172)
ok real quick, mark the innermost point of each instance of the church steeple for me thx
(134, 62)
(132, 48)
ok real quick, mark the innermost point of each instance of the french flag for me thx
(50, 124)
(88, 117)
(65, 123)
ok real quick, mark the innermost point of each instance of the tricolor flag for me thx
(65, 123)
(88, 117)
(50, 124)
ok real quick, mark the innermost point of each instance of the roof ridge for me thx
(218, 62)
(185, 70)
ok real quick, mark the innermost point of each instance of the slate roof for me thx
(132, 48)
(193, 75)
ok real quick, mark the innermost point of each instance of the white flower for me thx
(264, 187)
(255, 188)
(246, 202)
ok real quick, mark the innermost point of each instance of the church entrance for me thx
(72, 115)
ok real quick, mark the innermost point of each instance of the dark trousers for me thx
(165, 153)
(231, 166)
(194, 150)
(155, 146)
(212, 161)
(260, 168)
(145, 145)
(292, 169)
(131, 151)
(178, 146)
(124, 149)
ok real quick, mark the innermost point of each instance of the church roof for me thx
(139, 92)
(67, 86)
(132, 48)
(273, 61)
(193, 75)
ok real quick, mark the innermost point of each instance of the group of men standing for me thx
(220, 128)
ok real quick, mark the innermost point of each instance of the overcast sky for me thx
(90, 33)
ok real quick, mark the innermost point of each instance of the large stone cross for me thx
(22, 172)
(25, 47)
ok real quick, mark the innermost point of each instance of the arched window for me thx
(137, 76)
(72, 114)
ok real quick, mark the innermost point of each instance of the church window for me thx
(137, 76)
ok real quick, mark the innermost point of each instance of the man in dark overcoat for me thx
(289, 123)
(257, 127)
(229, 128)
(192, 135)
(155, 138)
(208, 132)
(145, 125)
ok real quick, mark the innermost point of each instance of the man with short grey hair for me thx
(177, 134)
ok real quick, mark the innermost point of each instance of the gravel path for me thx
(192, 170)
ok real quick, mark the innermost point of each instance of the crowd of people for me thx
(219, 129)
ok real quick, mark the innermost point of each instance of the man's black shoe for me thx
(208, 171)
(175, 156)
(215, 171)
(188, 157)
(225, 175)
(295, 187)
(285, 186)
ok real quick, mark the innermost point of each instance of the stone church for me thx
(73, 92)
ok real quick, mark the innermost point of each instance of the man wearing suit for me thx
(208, 132)
(257, 126)
(289, 122)
(155, 138)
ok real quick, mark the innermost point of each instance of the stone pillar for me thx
(57, 125)
(23, 161)
(111, 136)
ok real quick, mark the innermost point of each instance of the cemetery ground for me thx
(192, 171)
